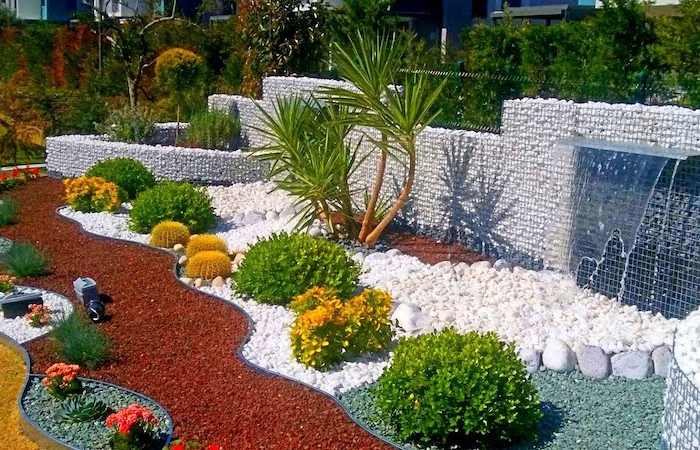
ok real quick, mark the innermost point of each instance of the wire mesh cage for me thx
(681, 419)
(633, 229)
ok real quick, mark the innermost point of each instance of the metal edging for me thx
(249, 333)
(26, 420)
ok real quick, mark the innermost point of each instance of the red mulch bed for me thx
(431, 251)
(175, 345)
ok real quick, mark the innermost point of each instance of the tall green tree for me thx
(679, 49)
(366, 16)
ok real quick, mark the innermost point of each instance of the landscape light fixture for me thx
(86, 291)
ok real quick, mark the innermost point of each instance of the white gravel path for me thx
(20, 330)
(525, 306)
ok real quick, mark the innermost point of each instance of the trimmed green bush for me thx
(25, 260)
(182, 203)
(78, 341)
(8, 212)
(133, 125)
(286, 265)
(212, 129)
(130, 175)
(459, 389)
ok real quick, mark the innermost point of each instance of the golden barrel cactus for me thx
(167, 234)
(205, 242)
(208, 265)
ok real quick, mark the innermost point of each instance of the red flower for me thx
(3, 177)
(213, 447)
(180, 446)
(35, 171)
(15, 173)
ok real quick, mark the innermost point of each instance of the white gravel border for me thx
(19, 329)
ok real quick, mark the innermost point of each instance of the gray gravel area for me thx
(42, 408)
(579, 414)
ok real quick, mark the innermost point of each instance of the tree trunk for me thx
(373, 237)
(368, 220)
(133, 93)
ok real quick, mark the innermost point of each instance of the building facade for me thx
(52, 10)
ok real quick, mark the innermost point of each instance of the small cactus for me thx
(83, 408)
(205, 242)
(208, 264)
(167, 234)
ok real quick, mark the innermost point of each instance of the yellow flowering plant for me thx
(328, 330)
(90, 194)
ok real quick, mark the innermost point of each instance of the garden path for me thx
(175, 345)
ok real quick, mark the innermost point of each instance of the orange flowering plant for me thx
(7, 283)
(38, 315)
(62, 380)
(134, 428)
(91, 194)
(328, 330)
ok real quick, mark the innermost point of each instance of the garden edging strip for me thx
(249, 332)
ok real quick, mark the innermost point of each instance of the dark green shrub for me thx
(8, 212)
(134, 125)
(286, 265)
(464, 389)
(182, 203)
(130, 175)
(25, 260)
(80, 342)
(213, 129)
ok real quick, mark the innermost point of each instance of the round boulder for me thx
(593, 362)
(558, 356)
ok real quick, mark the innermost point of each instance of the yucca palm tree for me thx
(312, 160)
(372, 65)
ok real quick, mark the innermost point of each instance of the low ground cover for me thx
(12, 373)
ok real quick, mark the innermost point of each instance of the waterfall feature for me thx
(633, 226)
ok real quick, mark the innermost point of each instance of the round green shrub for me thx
(130, 175)
(459, 389)
(182, 203)
(286, 265)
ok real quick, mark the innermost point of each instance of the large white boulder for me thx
(558, 356)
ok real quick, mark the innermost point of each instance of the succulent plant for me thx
(83, 408)
(204, 242)
(209, 264)
(167, 234)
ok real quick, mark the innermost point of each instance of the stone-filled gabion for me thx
(70, 156)
(504, 194)
(681, 419)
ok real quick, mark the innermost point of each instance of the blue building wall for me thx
(61, 10)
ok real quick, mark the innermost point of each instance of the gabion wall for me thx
(681, 418)
(503, 194)
(70, 156)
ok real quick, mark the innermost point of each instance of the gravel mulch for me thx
(432, 251)
(581, 414)
(175, 345)
(42, 408)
